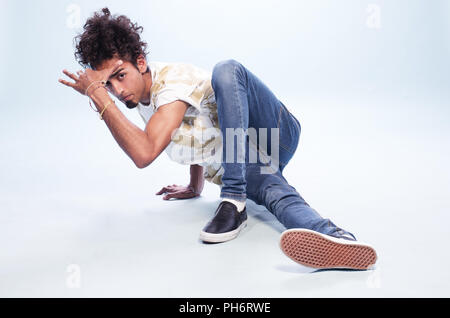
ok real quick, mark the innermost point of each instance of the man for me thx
(198, 118)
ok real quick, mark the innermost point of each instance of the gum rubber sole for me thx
(317, 250)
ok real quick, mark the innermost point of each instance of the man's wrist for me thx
(92, 89)
(194, 189)
(100, 97)
(94, 85)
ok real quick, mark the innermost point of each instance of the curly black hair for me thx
(106, 36)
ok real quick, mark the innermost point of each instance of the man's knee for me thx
(223, 73)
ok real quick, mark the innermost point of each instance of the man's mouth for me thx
(127, 98)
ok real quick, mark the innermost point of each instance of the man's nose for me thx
(116, 89)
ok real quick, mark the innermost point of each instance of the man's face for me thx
(127, 83)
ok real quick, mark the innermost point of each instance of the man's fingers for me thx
(166, 189)
(67, 83)
(169, 196)
(71, 75)
(173, 191)
(179, 195)
(169, 188)
(161, 191)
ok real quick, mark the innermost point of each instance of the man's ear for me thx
(141, 64)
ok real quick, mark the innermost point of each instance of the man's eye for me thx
(121, 75)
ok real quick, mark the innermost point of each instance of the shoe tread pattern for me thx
(313, 250)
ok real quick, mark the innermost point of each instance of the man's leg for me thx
(283, 201)
(310, 239)
(243, 101)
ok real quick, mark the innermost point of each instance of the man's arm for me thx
(197, 179)
(142, 146)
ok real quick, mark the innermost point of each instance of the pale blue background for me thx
(373, 156)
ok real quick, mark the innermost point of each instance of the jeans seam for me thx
(236, 92)
(285, 148)
(279, 119)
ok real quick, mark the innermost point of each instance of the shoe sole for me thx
(221, 237)
(317, 250)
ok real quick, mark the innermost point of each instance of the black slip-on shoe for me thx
(225, 225)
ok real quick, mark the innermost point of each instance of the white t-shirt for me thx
(198, 140)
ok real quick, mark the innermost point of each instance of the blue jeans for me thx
(244, 101)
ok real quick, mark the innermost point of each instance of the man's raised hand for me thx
(84, 79)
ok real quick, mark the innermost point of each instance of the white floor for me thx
(78, 220)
